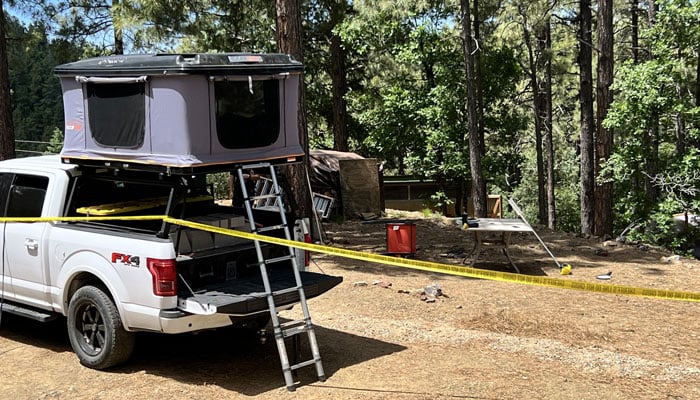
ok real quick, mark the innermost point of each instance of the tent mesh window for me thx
(247, 113)
(117, 113)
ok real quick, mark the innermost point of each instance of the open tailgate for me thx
(245, 296)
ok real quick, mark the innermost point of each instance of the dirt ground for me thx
(380, 339)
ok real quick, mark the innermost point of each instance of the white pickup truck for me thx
(114, 278)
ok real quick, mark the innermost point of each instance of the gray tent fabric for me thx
(180, 122)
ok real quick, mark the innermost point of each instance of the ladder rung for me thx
(289, 324)
(268, 208)
(270, 228)
(264, 196)
(295, 327)
(256, 166)
(294, 331)
(279, 259)
(303, 364)
(287, 290)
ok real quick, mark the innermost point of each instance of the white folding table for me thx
(503, 228)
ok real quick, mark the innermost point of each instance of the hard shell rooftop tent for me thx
(181, 111)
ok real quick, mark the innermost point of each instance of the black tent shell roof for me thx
(182, 64)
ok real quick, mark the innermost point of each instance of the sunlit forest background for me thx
(586, 112)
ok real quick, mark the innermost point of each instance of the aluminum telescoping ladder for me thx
(295, 327)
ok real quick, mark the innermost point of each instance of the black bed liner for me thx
(245, 296)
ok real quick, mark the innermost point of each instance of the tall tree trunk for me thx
(118, 35)
(478, 76)
(537, 99)
(478, 184)
(697, 78)
(650, 142)
(604, 137)
(585, 59)
(651, 139)
(339, 81)
(652, 9)
(634, 11)
(459, 194)
(340, 88)
(7, 131)
(541, 182)
(289, 41)
(691, 141)
(679, 123)
(544, 43)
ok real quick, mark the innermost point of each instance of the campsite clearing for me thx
(382, 338)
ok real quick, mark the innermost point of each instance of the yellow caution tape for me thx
(429, 266)
(468, 272)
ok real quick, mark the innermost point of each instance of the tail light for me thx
(164, 274)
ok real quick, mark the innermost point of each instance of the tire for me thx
(95, 329)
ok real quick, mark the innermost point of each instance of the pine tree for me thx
(7, 132)
(587, 175)
(604, 136)
(475, 147)
(289, 41)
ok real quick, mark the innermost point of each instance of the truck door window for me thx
(26, 196)
(247, 113)
(117, 113)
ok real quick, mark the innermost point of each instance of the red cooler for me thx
(401, 238)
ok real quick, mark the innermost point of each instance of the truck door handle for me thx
(31, 244)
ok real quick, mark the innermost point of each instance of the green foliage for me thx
(440, 199)
(406, 87)
(663, 229)
(204, 25)
(36, 93)
(220, 183)
(504, 122)
(645, 91)
(431, 213)
(655, 116)
(412, 102)
(56, 142)
(679, 185)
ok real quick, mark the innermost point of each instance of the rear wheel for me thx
(95, 329)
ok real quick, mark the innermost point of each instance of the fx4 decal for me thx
(125, 259)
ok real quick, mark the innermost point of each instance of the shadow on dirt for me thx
(48, 335)
(235, 360)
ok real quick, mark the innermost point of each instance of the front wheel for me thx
(95, 329)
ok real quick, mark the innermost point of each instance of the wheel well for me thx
(85, 279)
